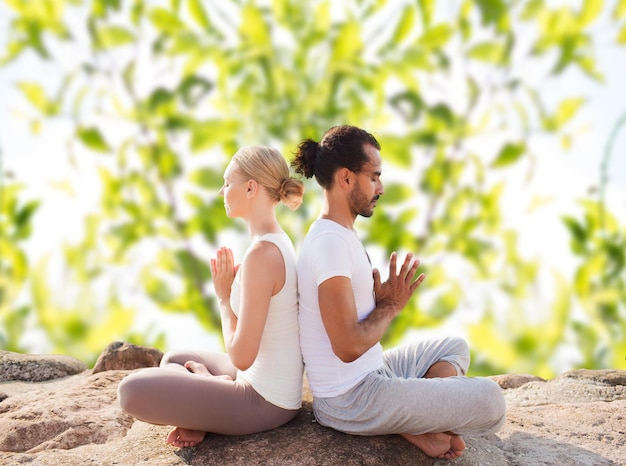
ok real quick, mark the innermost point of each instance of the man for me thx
(418, 391)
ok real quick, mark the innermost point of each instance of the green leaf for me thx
(192, 266)
(37, 97)
(348, 44)
(159, 100)
(92, 138)
(509, 154)
(128, 77)
(437, 36)
(168, 164)
(254, 27)
(588, 65)
(157, 289)
(492, 11)
(566, 111)
(13, 50)
(409, 104)
(23, 219)
(137, 12)
(396, 150)
(620, 10)
(427, 7)
(396, 193)
(491, 52)
(405, 25)
(114, 36)
(532, 9)
(165, 21)
(590, 11)
(197, 13)
(442, 114)
(209, 133)
(193, 89)
(207, 178)
(621, 37)
(577, 230)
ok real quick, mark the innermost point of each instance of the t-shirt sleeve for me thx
(331, 258)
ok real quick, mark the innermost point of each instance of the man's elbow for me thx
(347, 355)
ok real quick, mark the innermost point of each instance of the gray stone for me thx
(507, 381)
(37, 367)
(125, 356)
(605, 376)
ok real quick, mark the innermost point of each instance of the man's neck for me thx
(338, 213)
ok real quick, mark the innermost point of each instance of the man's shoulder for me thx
(328, 228)
(326, 237)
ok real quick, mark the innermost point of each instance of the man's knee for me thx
(458, 354)
(494, 405)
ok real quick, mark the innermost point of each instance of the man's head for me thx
(340, 147)
(347, 158)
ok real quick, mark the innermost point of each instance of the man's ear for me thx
(345, 178)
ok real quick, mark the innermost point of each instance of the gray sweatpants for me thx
(171, 395)
(397, 399)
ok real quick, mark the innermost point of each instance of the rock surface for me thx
(578, 418)
(37, 367)
(124, 356)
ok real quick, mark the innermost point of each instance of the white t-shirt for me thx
(330, 250)
(276, 373)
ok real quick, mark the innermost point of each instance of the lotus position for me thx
(257, 384)
(418, 391)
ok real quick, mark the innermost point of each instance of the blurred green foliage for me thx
(15, 228)
(160, 94)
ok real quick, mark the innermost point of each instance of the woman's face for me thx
(234, 191)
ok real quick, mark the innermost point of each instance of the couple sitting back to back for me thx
(328, 308)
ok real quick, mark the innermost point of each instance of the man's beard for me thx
(361, 205)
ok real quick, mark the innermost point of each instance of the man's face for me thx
(368, 186)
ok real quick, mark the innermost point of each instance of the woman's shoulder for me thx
(263, 253)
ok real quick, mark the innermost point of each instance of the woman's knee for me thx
(172, 357)
(130, 394)
(125, 393)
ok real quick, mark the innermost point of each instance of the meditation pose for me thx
(257, 384)
(418, 391)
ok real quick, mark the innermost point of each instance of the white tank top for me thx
(276, 373)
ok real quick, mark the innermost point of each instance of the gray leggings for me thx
(171, 395)
(397, 399)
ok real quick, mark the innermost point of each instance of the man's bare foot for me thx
(183, 438)
(201, 369)
(438, 445)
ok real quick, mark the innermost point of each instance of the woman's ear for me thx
(251, 188)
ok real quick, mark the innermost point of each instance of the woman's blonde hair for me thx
(268, 167)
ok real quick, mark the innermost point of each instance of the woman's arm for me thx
(262, 276)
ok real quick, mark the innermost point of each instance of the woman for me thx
(257, 385)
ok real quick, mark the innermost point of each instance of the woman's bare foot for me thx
(183, 438)
(438, 445)
(201, 369)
